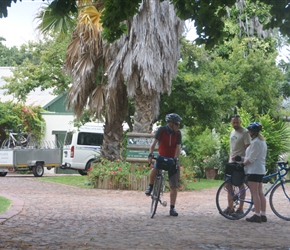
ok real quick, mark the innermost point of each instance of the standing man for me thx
(239, 141)
(169, 139)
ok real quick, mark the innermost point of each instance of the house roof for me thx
(37, 97)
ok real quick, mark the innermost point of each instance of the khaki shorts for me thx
(174, 179)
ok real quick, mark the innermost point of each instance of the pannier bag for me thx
(237, 173)
(164, 163)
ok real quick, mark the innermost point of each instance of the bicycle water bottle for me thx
(266, 187)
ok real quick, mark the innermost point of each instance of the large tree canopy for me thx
(207, 14)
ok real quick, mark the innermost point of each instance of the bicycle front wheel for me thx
(7, 144)
(156, 195)
(229, 195)
(280, 200)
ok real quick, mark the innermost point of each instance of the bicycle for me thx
(21, 139)
(279, 195)
(157, 192)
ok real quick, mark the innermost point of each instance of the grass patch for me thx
(77, 181)
(203, 184)
(82, 182)
(4, 204)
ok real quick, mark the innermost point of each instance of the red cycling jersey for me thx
(168, 140)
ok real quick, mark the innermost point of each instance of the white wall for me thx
(55, 122)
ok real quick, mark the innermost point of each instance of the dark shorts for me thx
(174, 179)
(255, 177)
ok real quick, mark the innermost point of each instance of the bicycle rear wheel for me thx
(156, 195)
(280, 200)
(227, 193)
(22, 140)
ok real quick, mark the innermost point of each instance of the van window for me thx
(68, 138)
(93, 139)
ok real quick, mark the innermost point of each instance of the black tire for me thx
(38, 170)
(280, 200)
(2, 174)
(4, 144)
(7, 144)
(85, 171)
(222, 200)
(156, 195)
(32, 140)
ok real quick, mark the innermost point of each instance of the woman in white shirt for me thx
(255, 168)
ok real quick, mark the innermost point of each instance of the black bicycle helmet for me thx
(173, 118)
(255, 126)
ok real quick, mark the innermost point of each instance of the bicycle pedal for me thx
(164, 203)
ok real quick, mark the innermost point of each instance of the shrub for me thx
(108, 169)
(188, 173)
(117, 172)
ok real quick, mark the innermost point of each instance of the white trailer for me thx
(33, 159)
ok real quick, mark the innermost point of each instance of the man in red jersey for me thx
(169, 139)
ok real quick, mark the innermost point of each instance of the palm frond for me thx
(97, 100)
(50, 21)
(150, 51)
(84, 60)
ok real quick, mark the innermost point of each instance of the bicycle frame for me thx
(279, 195)
(279, 178)
(15, 139)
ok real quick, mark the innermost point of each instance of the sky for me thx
(19, 27)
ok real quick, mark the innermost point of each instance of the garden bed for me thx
(113, 183)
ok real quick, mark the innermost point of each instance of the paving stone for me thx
(53, 216)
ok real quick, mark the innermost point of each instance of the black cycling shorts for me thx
(255, 177)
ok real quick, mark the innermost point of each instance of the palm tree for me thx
(145, 65)
(147, 58)
(85, 60)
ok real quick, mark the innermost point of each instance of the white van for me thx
(82, 146)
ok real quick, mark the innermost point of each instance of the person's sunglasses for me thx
(176, 123)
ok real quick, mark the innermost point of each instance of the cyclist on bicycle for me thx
(169, 139)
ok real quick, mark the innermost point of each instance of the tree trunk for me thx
(146, 107)
(116, 111)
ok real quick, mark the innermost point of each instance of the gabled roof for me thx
(37, 97)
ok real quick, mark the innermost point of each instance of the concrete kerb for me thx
(15, 208)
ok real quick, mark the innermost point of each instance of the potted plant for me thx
(211, 164)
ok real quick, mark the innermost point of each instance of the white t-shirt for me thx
(238, 140)
(256, 153)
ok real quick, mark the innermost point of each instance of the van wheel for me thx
(85, 172)
(82, 172)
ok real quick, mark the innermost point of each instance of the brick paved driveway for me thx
(56, 216)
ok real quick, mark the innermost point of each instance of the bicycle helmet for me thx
(173, 118)
(255, 126)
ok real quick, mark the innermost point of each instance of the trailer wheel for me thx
(38, 170)
(2, 174)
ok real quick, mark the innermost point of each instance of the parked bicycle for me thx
(158, 191)
(20, 138)
(279, 192)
